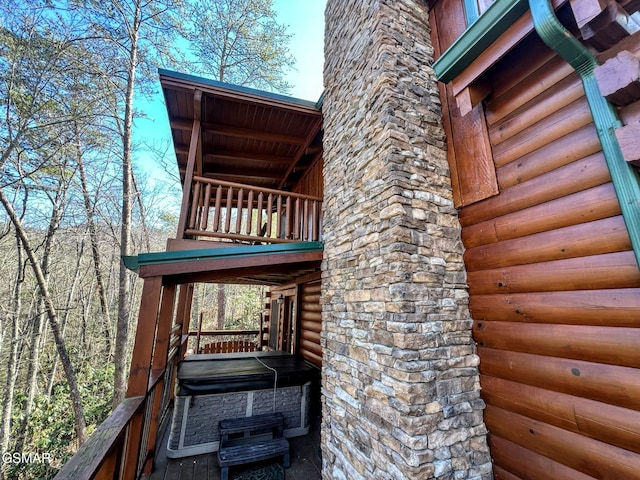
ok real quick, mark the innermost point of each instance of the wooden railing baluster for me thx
(194, 205)
(205, 207)
(227, 223)
(279, 217)
(239, 211)
(259, 221)
(216, 215)
(250, 213)
(297, 216)
(269, 215)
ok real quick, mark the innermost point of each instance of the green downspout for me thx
(626, 180)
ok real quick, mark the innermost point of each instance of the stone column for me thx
(400, 378)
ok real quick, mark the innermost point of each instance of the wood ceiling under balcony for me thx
(247, 136)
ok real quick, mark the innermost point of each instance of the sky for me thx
(305, 21)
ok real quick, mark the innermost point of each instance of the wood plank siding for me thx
(554, 285)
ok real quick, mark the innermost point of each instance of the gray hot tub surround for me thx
(220, 386)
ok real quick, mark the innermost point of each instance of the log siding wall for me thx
(554, 285)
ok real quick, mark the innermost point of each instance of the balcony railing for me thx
(225, 341)
(243, 213)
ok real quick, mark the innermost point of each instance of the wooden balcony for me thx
(239, 213)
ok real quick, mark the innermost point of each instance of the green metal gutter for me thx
(626, 180)
(135, 262)
(483, 32)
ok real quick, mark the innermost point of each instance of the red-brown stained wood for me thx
(469, 151)
(586, 10)
(526, 87)
(565, 92)
(619, 78)
(609, 345)
(608, 28)
(609, 423)
(552, 127)
(513, 35)
(611, 384)
(556, 244)
(612, 307)
(575, 177)
(582, 273)
(145, 337)
(574, 146)
(629, 139)
(591, 457)
(310, 321)
(311, 346)
(528, 465)
(500, 473)
(585, 206)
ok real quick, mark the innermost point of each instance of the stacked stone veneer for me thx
(400, 380)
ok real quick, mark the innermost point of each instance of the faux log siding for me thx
(310, 322)
(554, 286)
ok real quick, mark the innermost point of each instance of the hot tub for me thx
(214, 387)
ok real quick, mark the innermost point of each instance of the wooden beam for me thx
(619, 78)
(611, 26)
(230, 263)
(229, 131)
(307, 142)
(586, 10)
(243, 172)
(197, 114)
(629, 139)
(247, 156)
(279, 273)
(188, 178)
(472, 95)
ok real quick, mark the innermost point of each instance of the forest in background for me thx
(74, 200)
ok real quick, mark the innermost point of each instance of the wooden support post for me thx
(191, 165)
(140, 371)
(159, 366)
(619, 78)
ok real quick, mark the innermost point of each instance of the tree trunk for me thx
(102, 296)
(221, 305)
(12, 359)
(32, 375)
(124, 290)
(52, 316)
(65, 319)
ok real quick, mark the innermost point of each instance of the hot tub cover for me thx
(241, 372)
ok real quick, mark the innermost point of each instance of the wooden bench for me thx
(252, 452)
(249, 425)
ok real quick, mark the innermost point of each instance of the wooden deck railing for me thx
(109, 452)
(237, 212)
(123, 446)
(225, 341)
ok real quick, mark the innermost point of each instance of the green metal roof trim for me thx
(237, 88)
(624, 176)
(135, 262)
(483, 32)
